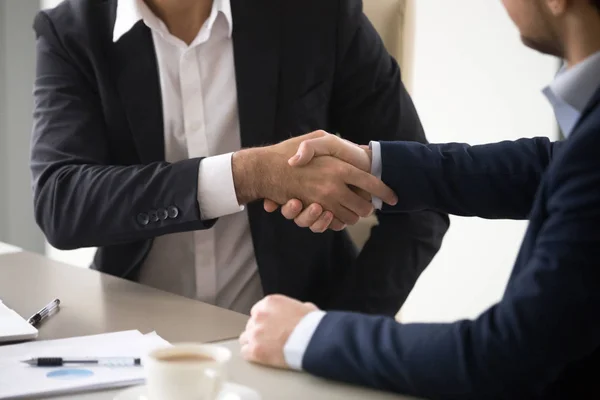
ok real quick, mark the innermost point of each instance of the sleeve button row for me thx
(154, 216)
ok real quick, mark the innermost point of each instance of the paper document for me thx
(18, 380)
(13, 327)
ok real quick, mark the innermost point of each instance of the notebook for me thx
(13, 327)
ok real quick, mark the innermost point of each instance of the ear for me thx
(557, 7)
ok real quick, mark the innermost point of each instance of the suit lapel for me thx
(136, 71)
(592, 105)
(256, 32)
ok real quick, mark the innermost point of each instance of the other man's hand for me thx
(314, 216)
(272, 321)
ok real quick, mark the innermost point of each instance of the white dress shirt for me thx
(199, 99)
(569, 95)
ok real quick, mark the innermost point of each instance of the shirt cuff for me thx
(216, 191)
(376, 169)
(297, 343)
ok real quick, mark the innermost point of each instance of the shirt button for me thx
(162, 214)
(143, 219)
(153, 216)
(173, 211)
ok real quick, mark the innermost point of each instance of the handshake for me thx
(320, 180)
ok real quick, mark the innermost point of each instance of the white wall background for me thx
(17, 68)
(473, 81)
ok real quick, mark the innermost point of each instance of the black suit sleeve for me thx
(493, 181)
(371, 103)
(80, 198)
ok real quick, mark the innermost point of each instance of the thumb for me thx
(308, 150)
(331, 145)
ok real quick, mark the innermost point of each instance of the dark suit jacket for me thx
(542, 340)
(98, 152)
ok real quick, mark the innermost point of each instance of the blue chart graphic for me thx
(69, 374)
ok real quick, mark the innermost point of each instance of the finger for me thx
(245, 351)
(365, 195)
(292, 209)
(337, 225)
(356, 203)
(362, 193)
(256, 308)
(309, 216)
(371, 184)
(345, 215)
(270, 206)
(244, 338)
(322, 222)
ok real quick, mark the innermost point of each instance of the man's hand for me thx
(314, 216)
(272, 321)
(327, 181)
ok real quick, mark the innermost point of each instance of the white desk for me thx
(6, 248)
(93, 303)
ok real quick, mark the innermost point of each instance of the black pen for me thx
(44, 312)
(101, 361)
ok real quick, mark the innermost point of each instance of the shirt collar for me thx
(576, 86)
(572, 90)
(130, 12)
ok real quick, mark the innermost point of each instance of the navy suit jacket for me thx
(98, 160)
(542, 339)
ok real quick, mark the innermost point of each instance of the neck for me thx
(183, 18)
(581, 36)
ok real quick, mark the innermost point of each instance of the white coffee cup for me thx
(186, 372)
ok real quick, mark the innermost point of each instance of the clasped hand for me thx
(334, 159)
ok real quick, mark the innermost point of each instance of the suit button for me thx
(143, 219)
(153, 216)
(173, 211)
(162, 214)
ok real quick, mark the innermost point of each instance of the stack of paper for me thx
(18, 380)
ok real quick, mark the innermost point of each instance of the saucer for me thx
(230, 391)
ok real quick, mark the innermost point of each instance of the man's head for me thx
(545, 24)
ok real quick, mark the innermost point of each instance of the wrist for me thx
(247, 170)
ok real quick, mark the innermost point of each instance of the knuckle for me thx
(273, 299)
(257, 351)
(341, 169)
(329, 191)
(258, 332)
(260, 315)
(331, 138)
